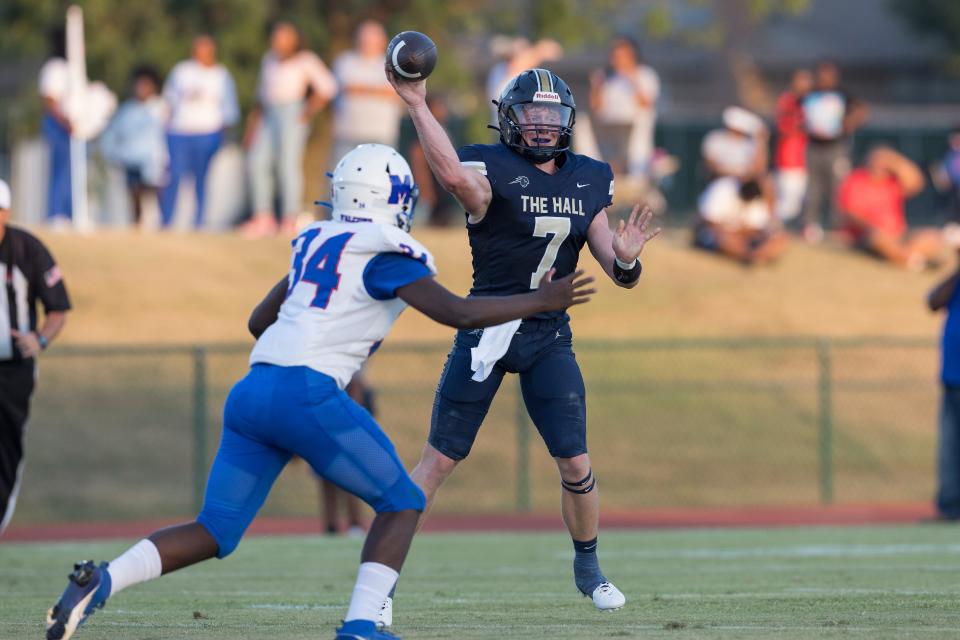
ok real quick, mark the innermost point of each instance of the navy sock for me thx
(586, 567)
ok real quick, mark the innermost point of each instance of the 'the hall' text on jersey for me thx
(536, 221)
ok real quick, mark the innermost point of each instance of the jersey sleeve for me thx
(600, 177)
(387, 272)
(472, 158)
(47, 280)
(607, 183)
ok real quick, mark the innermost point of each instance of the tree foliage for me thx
(937, 18)
(121, 34)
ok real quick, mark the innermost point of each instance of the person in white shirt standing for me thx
(367, 108)
(54, 86)
(278, 129)
(203, 102)
(623, 99)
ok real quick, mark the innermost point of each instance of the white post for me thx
(77, 67)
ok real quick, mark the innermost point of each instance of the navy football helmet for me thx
(536, 113)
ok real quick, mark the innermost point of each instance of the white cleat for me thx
(607, 597)
(385, 615)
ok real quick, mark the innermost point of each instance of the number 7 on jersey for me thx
(544, 226)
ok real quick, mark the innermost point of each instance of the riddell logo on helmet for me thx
(546, 96)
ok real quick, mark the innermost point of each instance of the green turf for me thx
(881, 582)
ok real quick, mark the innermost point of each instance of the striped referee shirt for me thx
(29, 273)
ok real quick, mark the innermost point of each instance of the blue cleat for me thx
(364, 630)
(88, 589)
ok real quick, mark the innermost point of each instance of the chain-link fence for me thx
(127, 432)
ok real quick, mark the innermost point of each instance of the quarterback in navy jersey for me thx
(531, 206)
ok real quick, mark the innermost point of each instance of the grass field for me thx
(130, 288)
(882, 582)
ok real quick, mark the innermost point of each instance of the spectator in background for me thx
(514, 55)
(871, 201)
(736, 209)
(435, 204)
(56, 126)
(790, 157)
(277, 130)
(739, 150)
(203, 103)
(735, 220)
(623, 101)
(944, 297)
(135, 140)
(831, 115)
(367, 108)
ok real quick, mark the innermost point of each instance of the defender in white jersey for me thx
(334, 333)
(349, 280)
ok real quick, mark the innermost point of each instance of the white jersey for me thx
(336, 313)
(202, 99)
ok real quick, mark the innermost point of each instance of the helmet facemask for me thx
(405, 217)
(539, 129)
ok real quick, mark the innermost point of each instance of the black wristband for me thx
(627, 276)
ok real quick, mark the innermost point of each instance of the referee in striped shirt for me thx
(28, 272)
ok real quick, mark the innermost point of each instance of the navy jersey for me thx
(535, 221)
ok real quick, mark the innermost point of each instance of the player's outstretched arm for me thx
(437, 302)
(618, 252)
(265, 314)
(470, 188)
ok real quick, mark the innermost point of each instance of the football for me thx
(411, 56)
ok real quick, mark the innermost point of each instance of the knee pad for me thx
(402, 496)
(580, 487)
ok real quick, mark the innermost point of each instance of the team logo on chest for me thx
(523, 181)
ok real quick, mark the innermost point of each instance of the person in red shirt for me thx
(871, 202)
(790, 156)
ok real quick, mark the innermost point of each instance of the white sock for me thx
(374, 582)
(139, 563)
